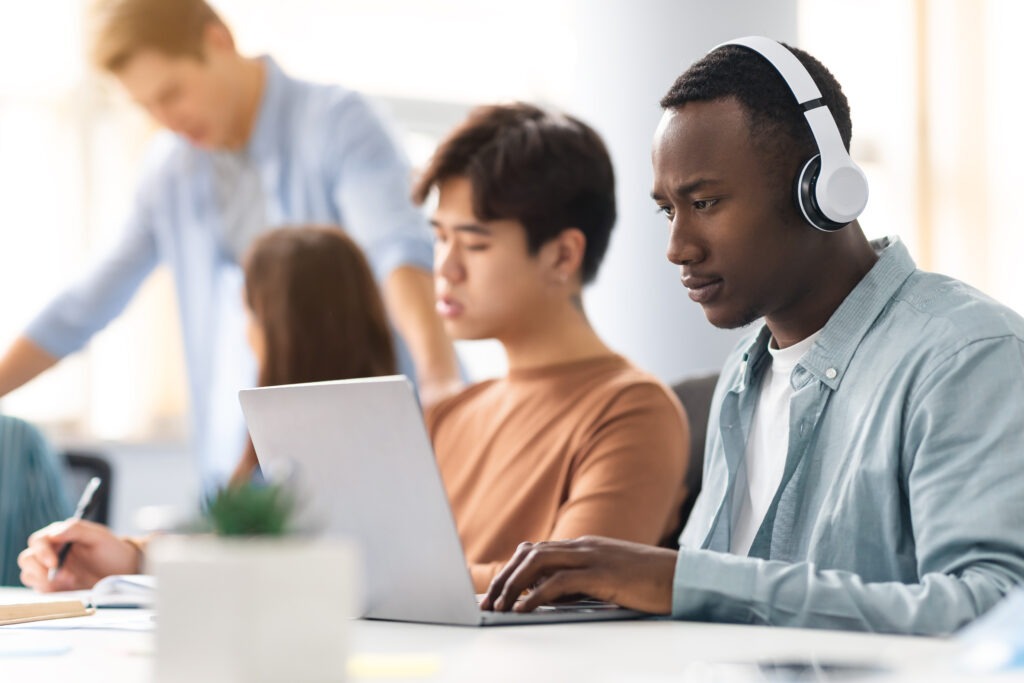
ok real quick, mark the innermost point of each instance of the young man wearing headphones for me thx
(863, 455)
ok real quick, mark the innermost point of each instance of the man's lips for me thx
(702, 289)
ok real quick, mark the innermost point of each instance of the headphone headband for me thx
(785, 62)
(831, 190)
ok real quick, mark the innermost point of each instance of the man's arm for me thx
(409, 297)
(372, 192)
(23, 361)
(633, 575)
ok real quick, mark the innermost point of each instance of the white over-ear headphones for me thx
(831, 190)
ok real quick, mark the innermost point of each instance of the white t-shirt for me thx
(239, 192)
(760, 473)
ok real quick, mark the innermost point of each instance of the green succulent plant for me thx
(250, 510)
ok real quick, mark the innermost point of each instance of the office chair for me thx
(32, 492)
(79, 468)
(695, 394)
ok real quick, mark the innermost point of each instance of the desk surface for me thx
(118, 645)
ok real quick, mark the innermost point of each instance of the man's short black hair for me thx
(547, 170)
(777, 123)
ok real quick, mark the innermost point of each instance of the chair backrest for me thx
(695, 394)
(32, 492)
(79, 468)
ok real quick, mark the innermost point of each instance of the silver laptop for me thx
(365, 469)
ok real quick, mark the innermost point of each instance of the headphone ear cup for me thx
(806, 185)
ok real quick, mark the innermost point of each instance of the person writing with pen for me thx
(85, 504)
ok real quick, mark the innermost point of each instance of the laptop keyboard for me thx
(583, 605)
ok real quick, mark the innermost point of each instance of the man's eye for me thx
(704, 204)
(665, 210)
(476, 247)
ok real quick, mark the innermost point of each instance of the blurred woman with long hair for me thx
(315, 313)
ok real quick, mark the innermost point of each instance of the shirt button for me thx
(831, 373)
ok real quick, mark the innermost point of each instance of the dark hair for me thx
(316, 303)
(547, 170)
(777, 123)
(314, 298)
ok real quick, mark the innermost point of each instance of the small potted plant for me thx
(250, 598)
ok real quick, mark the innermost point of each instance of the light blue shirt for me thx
(901, 507)
(322, 156)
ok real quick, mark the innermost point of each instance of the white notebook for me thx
(124, 590)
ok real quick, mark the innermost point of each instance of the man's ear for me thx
(216, 36)
(568, 249)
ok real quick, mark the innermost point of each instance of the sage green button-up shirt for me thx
(901, 507)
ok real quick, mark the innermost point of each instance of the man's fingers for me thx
(498, 582)
(68, 579)
(47, 541)
(43, 544)
(33, 573)
(628, 574)
(81, 531)
(557, 585)
(540, 562)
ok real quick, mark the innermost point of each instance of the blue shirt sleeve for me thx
(372, 189)
(963, 483)
(84, 308)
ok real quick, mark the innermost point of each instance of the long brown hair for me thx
(318, 309)
(317, 304)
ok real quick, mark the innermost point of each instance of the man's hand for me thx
(96, 553)
(22, 362)
(628, 574)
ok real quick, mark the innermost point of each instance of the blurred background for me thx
(933, 92)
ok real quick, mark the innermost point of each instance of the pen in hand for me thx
(83, 505)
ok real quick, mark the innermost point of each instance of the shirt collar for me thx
(831, 354)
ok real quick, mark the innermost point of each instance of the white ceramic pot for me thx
(253, 609)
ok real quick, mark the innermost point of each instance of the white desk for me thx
(650, 650)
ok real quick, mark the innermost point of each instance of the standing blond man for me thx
(247, 148)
